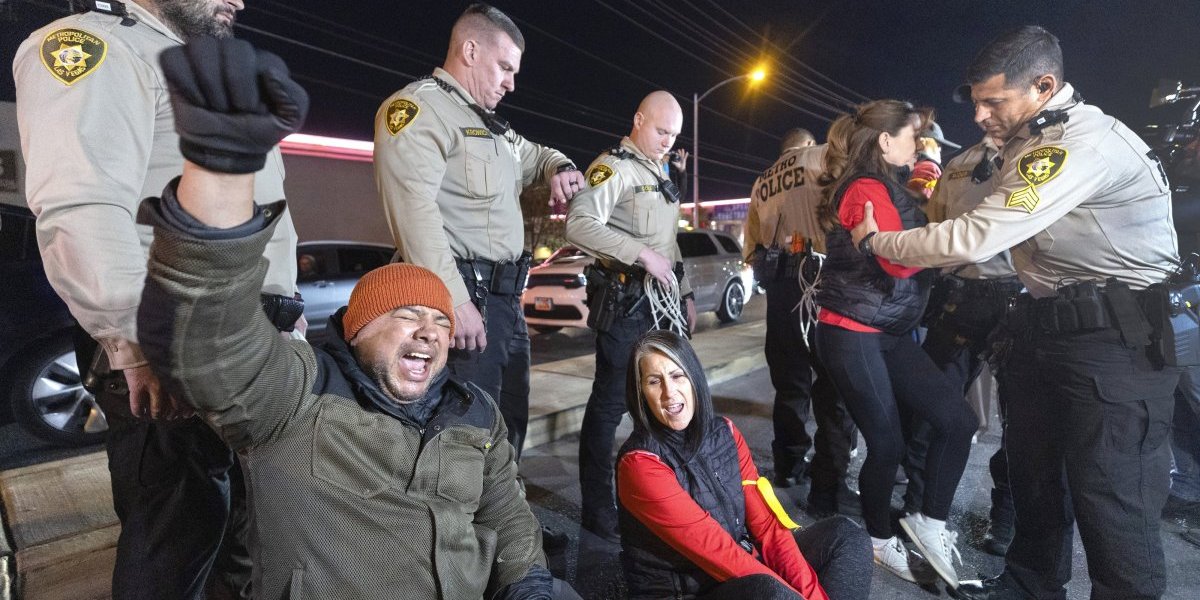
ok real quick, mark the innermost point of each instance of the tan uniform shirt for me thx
(98, 136)
(623, 211)
(1081, 201)
(784, 201)
(957, 194)
(450, 187)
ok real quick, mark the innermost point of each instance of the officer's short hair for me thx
(486, 16)
(1021, 55)
(796, 138)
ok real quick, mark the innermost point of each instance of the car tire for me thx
(733, 300)
(546, 328)
(48, 399)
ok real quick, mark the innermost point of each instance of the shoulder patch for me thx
(72, 54)
(599, 174)
(1041, 165)
(400, 113)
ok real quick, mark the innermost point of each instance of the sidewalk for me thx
(60, 530)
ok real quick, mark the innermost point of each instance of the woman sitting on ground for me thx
(696, 519)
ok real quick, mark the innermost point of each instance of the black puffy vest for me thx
(713, 479)
(856, 286)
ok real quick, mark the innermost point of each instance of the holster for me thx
(612, 291)
(282, 311)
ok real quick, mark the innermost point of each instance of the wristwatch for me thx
(864, 245)
(565, 168)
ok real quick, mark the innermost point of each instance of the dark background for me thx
(588, 63)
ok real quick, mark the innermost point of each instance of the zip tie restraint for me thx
(666, 304)
(807, 306)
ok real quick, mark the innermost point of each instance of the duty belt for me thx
(506, 278)
(1082, 307)
(981, 288)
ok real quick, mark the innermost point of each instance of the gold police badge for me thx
(72, 54)
(400, 113)
(599, 174)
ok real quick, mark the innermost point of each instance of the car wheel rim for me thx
(734, 300)
(59, 398)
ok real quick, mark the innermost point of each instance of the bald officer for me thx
(98, 135)
(1086, 210)
(626, 218)
(781, 231)
(450, 172)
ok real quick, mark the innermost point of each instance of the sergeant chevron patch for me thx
(1025, 198)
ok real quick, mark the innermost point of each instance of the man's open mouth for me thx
(416, 365)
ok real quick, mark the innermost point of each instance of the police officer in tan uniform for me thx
(780, 234)
(1086, 210)
(450, 172)
(627, 218)
(98, 135)
(967, 304)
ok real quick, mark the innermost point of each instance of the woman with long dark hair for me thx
(869, 309)
(697, 521)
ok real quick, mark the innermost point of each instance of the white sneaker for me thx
(906, 565)
(938, 544)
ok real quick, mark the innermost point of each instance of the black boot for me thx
(992, 588)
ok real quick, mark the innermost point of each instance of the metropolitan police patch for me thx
(400, 113)
(1041, 165)
(599, 174)
(72, 54)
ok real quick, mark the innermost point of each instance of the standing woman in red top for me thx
(869, 309)
(697, 521)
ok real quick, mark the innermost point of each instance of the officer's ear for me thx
(1045, 86)
(638, 119)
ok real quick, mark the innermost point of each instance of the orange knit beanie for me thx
(391, 286)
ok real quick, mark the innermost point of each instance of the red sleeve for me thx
(924, 178)
(776, 542)
(886, 216)
(648, 489)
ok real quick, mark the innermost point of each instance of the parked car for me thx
(39, 375)
(554, 296)
(326, 273)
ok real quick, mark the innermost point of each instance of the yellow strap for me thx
(768, 493)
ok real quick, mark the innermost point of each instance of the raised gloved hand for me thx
(232, 103)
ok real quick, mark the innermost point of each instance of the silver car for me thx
(554, 297)
(326, 274)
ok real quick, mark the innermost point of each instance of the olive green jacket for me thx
(348, 502)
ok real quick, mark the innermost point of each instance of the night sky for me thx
(588, 63)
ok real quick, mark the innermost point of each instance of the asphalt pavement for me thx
(592, 566)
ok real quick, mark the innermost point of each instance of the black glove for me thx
(232, 103)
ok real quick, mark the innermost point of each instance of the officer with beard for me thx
(98, 135)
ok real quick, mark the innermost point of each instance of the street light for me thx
(755, 76)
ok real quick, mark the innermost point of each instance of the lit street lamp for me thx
(756, 76)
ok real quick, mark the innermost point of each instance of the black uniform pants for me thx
(171, 492)
(954, 342)
(603, 413)
(793, 365)
(502, 369)
(1087, 440)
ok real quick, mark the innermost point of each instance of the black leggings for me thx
(873, 373)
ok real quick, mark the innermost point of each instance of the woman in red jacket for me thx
(865, 337)
(696, 519)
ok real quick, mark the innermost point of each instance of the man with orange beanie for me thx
(374, 472)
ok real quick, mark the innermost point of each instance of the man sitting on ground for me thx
(374, 473)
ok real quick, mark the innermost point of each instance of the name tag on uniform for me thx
(957, 175)
(645, 188)
(477, 132)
